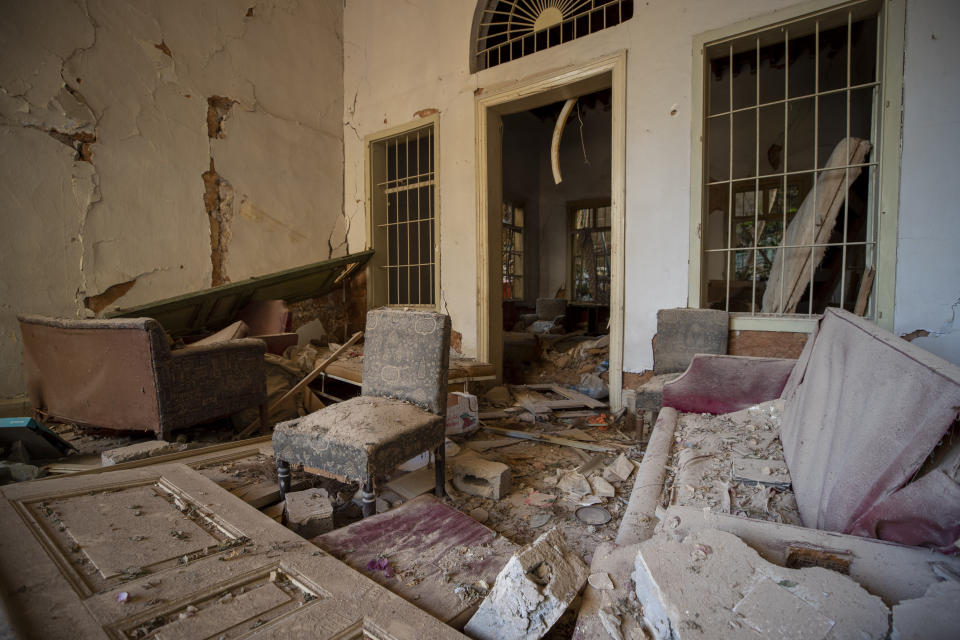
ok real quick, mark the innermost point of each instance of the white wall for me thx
(928, 256)
(397, 62)
(137, 75)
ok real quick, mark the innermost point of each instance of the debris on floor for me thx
(531, 592)
(309, 512)
(732, 463)
(712, 584)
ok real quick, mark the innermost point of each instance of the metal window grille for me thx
(404, 213)
(510, 29)
(512, 243)
(590, 253)
(784, 109)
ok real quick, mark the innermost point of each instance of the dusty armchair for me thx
(121, 374)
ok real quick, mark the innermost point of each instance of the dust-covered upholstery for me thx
(121, 374)
(400, 413)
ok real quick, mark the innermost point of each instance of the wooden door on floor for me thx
(164, 552)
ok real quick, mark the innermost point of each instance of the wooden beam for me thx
(300, 386)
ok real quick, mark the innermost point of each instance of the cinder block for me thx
(681, 333)
(481, 477)
(309, 512)
(531, 592)
(713, 583)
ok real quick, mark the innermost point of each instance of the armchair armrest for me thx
(723, 384)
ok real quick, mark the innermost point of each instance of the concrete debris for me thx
(531, 592)
(602, 488)
(499, 396)
(19, 472)
(139, 451)
(935, 616)
(600, 581)
(575, 484)
(611, 623)
(620, 470)
(310, 512)
(481, 477)
(479, 514)
(712, 583)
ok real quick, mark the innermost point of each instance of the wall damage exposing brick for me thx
(110, 172)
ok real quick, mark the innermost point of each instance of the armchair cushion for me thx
(360, 437)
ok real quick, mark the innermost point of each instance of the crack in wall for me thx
(218, 202)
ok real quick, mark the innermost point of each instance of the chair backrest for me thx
(682, 333)
(406, 355)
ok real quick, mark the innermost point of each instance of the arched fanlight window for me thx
(504, 30)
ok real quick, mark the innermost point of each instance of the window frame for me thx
(377, 282)
(572, 208)
(514, 278)
(892, 20)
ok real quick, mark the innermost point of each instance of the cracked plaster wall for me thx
(397, 62)
(116, 193)
(928, 252)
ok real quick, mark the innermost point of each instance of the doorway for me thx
(505, 123)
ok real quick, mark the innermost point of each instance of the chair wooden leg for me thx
(368, 498)
(283, 476)
(440, 470)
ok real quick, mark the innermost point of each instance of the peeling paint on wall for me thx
(105, 128)
(103, 300)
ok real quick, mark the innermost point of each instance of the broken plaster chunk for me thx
(600, 581)
(481, 477)
(712, 580)
(602, 488)
(531, 592)
(934, 616)
(620, 470)
(574, 483)
(309, 512)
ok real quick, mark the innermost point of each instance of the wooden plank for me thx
(523, 435)
(225, 451)
(300, 386)
(863, 295)
(572, 396)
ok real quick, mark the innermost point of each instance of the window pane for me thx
(771, 139)
(718, 82)
(772, 73)
(741, 283)
(801, 60)
(715, 291)
(833, 126)
(833, 58)
(861, 113)
(715, 223)
(744, 144)
(863, 62)
(718, 148)
(800, 134)
(745, 79)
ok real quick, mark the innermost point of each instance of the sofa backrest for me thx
(863, 410)
(98, 372)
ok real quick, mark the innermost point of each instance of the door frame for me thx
(607, 72)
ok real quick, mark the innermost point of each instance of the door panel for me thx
(194, 561)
